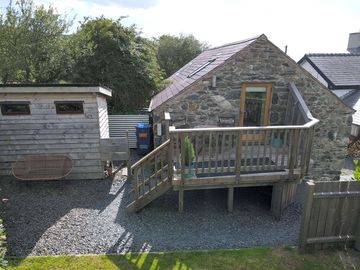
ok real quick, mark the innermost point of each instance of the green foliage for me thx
(357, 170)
(3, 262)
(189, 151)
(175, 51)
(107, 52)
(33, 47)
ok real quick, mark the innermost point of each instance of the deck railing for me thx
(238, 150)
(151, 171)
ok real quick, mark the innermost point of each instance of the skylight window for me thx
(201, 67)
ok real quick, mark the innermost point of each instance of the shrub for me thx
(189, 151)
(357, 170)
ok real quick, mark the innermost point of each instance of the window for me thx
(69, 107)
(201, 67)
(15, 108)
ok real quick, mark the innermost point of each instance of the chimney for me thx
(354, 43)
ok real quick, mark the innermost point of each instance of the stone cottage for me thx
(206, 92)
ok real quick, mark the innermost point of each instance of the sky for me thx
(305, 26)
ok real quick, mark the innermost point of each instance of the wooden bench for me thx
(42, 167)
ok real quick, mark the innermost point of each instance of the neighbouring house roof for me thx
(340, 70)
(353, 101)
(54, 88)
(197, 68)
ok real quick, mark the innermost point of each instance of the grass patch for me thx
(252, 258)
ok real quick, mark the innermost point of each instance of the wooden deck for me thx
(230, 157)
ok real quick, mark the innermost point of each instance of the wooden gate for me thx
(331, 215)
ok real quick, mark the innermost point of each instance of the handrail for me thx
(151, 154)
(303, 107)
(305, 126)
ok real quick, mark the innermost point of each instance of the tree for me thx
(33, 47)
(117, 56)
(175, 51)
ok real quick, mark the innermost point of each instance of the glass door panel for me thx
(255, 108)
(255, 103)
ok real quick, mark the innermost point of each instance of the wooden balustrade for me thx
(151, 171)
(228, 151)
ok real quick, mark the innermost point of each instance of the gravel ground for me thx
(78, 217)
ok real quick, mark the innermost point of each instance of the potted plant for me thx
(189, 157)
(278, 141)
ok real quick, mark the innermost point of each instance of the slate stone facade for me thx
(202, 105)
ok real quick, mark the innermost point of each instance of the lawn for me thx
(252, 258)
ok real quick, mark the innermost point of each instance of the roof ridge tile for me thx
(331, 54)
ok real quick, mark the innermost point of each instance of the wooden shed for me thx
(54, 119)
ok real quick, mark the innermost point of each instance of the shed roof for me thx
(353, 101)
(340, 70)
(54, 88)
(197, 68)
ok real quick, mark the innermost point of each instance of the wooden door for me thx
(255, 100)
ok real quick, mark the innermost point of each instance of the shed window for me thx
(15, 108)
(69, 107)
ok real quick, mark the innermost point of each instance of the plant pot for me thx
(189, 171)
(277, 143)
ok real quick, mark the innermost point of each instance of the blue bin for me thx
(143, 138)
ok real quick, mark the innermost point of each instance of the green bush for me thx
(189, 151)
(357, 170)
(3, 262)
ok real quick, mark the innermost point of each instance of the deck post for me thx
(170, 158)
(181, 188)
(167, 124)
(293, 152)
(230, 202)
(128, 163)
(276, 199)
(238, 157)
(181, 200)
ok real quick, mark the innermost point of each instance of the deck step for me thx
(147, 198)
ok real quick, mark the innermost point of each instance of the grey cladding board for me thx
(119, 124)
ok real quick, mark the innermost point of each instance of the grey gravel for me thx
(78, 217)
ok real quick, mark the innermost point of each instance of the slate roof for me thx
(353, 101)
(340, 70)
(197, 68)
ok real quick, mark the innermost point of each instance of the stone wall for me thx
(203, 105)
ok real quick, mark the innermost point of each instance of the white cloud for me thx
(305, 26)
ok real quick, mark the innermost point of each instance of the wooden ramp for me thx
(151, 177)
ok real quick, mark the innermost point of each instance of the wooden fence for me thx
(331, 215)
(121, 124)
